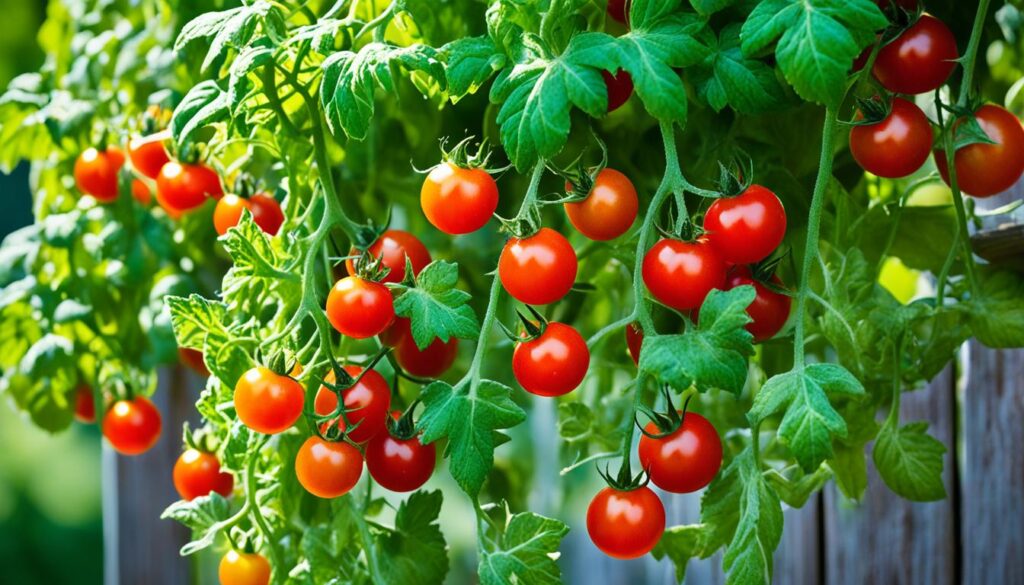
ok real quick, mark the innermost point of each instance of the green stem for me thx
(972, 51)
(962, 234)
(368, 546)
(257, 514)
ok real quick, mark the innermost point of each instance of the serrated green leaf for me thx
(202, 516)
(195, 317)
(997, 314)
(415, 551)
(526, 554)
(910, 461)
(227, 29)
(796, 491)
(727, 78)
(470, 62)
(436, 309)
(204, 104)
(682, 543)
(711, 6)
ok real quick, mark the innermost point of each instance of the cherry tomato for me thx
(609, 210)
(96, 172)
(85, 405)
(685, 461)
(919, 60)
(184, 187)
(895, 147)
(243, 569)
(197, 473)
(140, 192)
(328, 469)
(625, 525)
(267, 402)
(400, 465)
(266, 213)
(398, 329)
(983, 170)
(193, 358)
(360, 308)
(538, 269)
(681, 274)
(617, 9)
(769, 311)
(366, 404)
(747, 228)
(148, 156)
(423, 363)
(457, 200)
(634, 339)
(554, 363)
(132, 426)
(393, 246)
(620, 87)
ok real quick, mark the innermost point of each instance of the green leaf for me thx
(726, 77)
(910, 461)
(712, 354)
(526, 553)
(849, 463)
(468, 419)
(202, 516)
(471, 61)
(796, 492)
(810, 421)
(997, 313)
(436, 309)
(711, 6)
(204, 104)
(225, 30)
(415, 551)
(682, 543)
(195, 317)
(45, 380)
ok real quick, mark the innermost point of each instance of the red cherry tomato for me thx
(747, 228)
(609, 210)
(140, 192)
(360, 308)
(919, 60)
(85, 405)
(769, 311)
(267, 402)
(457, 200)
(243, 569)
(197, 473)
(366, 404)
(538, 269)
(132, 426)
(398, 329)
(983, 170)
(400, 465)
(328, 469)
(895, 147)
(685, 461)
(96, 172)
(681, 274)
(184, 187)
(266, 213)
(148, 156)
(393, 247)
(634, 339)
(193, 358)
(625, 525)
(617, 9)
(554, 363)
(430, 362)
(620, 87)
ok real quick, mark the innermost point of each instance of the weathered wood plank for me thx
(798, 559)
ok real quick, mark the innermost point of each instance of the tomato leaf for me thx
(45, 380)
(910, 461)
(202, 324)
(848, 462)
(997, 314)
(224, 30)
(727, 78)
(711, 354)
(437, 310)
(711, 6)
(795, 492)
(203, 105)
(415, 551)
(527, 552)
(748, 556)
(202, 516)
(471, 61)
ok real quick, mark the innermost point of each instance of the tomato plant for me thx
(986, 168)
(538, 269)
(197, 473)
(366, 403)
(626, 524)
(895, 146)
(920, 59)
(132, 426)
(267, 402)
(608, 210)
(683, 459)
(681, 274)
(328, 469)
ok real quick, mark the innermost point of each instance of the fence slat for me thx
(798, 559)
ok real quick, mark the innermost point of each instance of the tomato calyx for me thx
(372, 268)
(966, 130)
(579, 177)
(201, 440)
(870, 111)
(403, 428)
(335, 426)
(737, 176)
(461, 157)
(281, 362)
(667, 422)
(533, 328)
(624, 481)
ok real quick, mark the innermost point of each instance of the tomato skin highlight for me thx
(393, 247)
(96, 173)
(619, 86)
(367, 404)
(266, 213)
(983, 170)
(360, 308)
(197, 473)
(554, 363)
(457, 200)
(634, 340)
(769, 310)
(895, 147)
(328, 469)
(920, 60)
(685, 461)
(183, 187)
(85, 405)
(148, 156)
(539, 269)
(400, 465)
(681, 274)
(243, 569)
(132, 426)
(267, 402)
(610, 209)
(625, 525)
(747, 228)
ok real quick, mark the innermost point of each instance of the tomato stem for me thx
(971, 53)
(962, 235)
(257, 514)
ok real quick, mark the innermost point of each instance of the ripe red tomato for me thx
(360, 308)
(267, 402)
(895, 147)
(366, 404)
(625, 525)
(148, 156)
(685, 461)
(538, 269)
(243, 569)
(457, 200)
(620, 88)
(85, 405)
(634, 339)
(197, 473)
(132, 426)
(554, 363)
(617, 9)
(140, 192)
(769, 311)
(983, 170)
(393, 246)
(424, 363)
(398, 329)
(681, 274)
(193, 358)
(96, 172)
(919, 60)
(747, 228)
(400, 465)
(609, 210)
(266, 213)
(184, 187)
(328, 469)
